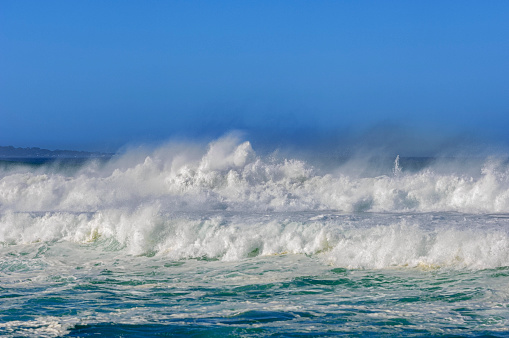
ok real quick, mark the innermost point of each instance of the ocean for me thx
(220, 241)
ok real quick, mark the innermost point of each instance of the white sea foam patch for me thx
(146, 231)
(120, 228)
(378, 241)
(351, 246)
(44, 326)
(400, 245)
(228, 175)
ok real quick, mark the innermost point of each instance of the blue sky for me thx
(96, 75)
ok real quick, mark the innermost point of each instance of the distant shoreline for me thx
(10, 153)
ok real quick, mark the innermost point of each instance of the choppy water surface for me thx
(220, 242)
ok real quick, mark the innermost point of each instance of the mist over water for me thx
(223, 209)
(142, 198)
(229, 174)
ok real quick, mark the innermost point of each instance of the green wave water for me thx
(62, 288)
(221, 242)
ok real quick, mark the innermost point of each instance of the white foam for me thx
(230, 176)
(400, 245)
(44, 326)
(133, 204)
(374, 241)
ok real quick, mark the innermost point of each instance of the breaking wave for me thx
(228, 203)
(230, 176)
(371, 241)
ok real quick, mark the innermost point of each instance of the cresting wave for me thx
(371, 241)
(229, 176)
(228, 203)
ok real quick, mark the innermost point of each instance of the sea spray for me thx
(397, 168)
(230, 176)
(222, 241)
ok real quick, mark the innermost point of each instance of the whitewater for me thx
(218, 240)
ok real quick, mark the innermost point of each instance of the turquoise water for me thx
(76, 289)
(222, 242)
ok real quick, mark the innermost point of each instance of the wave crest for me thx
(349, 241)
(230, 176)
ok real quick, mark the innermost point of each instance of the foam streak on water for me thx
(221, 241)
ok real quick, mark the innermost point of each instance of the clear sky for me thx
(95, 75)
